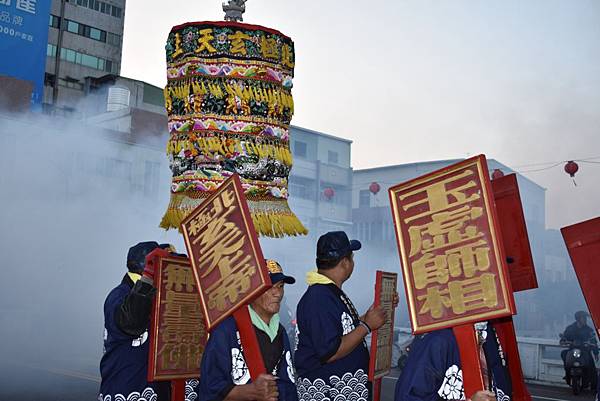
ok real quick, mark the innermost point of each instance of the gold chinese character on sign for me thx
(470, 257)
(179, 278)
(455, 262)
(182, 327)
(204, 40)
(462, 296)
(472, 294)
(447, 228)
(268, 48)
(222, 244)
(438, 197)
(237, 42)
(180, 356)
(178, 50)
(231, 286)
(431, 269)
(287, 56)
(220, 205)
(436, 300)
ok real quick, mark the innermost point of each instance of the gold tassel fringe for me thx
(276, 223)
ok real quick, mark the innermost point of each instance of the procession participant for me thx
(224, 374)
(331, 355)
(124, 365)
(433, 369)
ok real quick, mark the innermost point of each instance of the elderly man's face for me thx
(269, 302)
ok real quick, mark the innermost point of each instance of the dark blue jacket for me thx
(325, 314)
(433, 370)
(223, 365)
(124, 365)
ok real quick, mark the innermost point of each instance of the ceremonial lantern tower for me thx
(229, 105)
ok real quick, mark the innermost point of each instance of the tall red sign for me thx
(453, 261)
(382, 339)
(227, 261)
(583, 244)
(179, 332)
(514, 233)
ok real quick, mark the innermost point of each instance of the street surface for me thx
(538, 392)
(38, 383)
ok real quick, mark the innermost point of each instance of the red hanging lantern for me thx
(328, 193)
(374, 188)
(571, 168)
(497, 173)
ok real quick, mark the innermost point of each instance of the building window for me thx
(364, 198)
(113, 39)
(72, 56)
(302, 188)
(73, 27)
(51, 50)
(90, 61)
(101, 6)
(68, 54)
(332, 157)
(54, 21)
(120, 169)
(97, 34)
(70, 83)
(92, 33)
(300, 149)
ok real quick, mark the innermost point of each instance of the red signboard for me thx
(514, 233)
(227, 261)
(451, 249)
(179, 332)
(583, 244)
(382, 339)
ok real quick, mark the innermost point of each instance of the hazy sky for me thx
(413, 80)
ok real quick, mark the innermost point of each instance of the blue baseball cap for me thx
(334, 245)
(276, 273)
(136, 257)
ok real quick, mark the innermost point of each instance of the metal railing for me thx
(540, 360)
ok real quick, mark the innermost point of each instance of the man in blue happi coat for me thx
(124, 365)
(224, 374)
(433, 369)
(332, 358)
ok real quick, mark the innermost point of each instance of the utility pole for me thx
(58, 51)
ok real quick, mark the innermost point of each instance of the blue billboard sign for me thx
(23, 41)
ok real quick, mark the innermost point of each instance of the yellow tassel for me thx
(266, 224)
(247, 95)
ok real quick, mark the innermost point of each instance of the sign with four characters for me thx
(453, 262)
(179, 332)
(227, 261)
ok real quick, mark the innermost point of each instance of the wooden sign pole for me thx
(254, 358)
(469, 358)
(377, 389)
(508, 339)
(178, 390)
